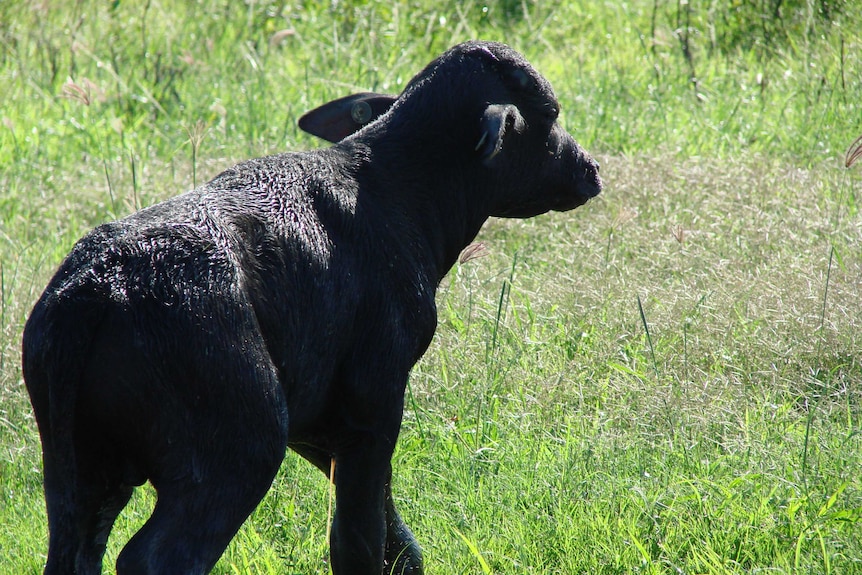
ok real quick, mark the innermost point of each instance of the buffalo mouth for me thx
(580, 184)
(584, 191)
(590, 184)
(587, 185)
(583, 180)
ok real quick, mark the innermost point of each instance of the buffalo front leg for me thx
(358, 538)
(402, 554)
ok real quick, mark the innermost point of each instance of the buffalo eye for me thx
(520, 77)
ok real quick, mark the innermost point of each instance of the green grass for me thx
(668, 380)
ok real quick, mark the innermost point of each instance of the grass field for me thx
(667, 380)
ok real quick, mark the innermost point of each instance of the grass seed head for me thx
(473, 251)
(73, 91)
(854, 152)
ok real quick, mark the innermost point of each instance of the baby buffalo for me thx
(280, 305)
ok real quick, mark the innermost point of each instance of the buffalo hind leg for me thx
(209, 481)
(191, 526)
(81, 512)
(403, 555)
(202, 503)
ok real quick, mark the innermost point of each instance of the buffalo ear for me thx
(340, 118)
(498, 122)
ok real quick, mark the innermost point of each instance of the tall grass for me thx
(668, 380)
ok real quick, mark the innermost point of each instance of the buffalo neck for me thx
(426, 198)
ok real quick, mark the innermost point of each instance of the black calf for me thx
(280, 305)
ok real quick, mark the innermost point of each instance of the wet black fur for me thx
(280, 305)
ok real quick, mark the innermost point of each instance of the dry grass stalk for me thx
(472, 252)
(86, 92)
(279, 37)
(854, 152)
(196, 133)
(73, 91)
